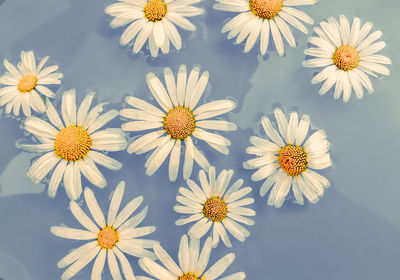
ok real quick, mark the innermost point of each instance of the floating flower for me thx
(192, 263)
(153, 20)
(260, 18)
(70, 146)
(287, 159)
(24, 84)
(347, 56)
(110, 239)
(178, 120)
(215, 205)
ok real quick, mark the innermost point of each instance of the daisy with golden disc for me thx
(107, 239)
(258, 20)
(153, 21)
(215, 205)
(169, 129)
(72, 146)
(26, 85)
(345, 56)
(288, 159)
(193, 262)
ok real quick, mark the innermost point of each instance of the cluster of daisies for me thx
(343, 55)
(72, 138)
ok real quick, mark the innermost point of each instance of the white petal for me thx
(159, 33)
(188, 161)
(167, 261)
(180, 21)
(82, 218)
(219, 267)
(113, 265)
(84, 108)
(104, 160)
(172, 34)
(143, 105)
(292, 127)
(40, 128)
(277, 38)
(183, 254)
(94, 207)
(127, 211)
(76, 254)
(143, 36)
(42, 166)
(126, 267)
(115, 202)
(68, 107)
(56, 177)
(157, 270)
(131, 31)
(98, 265)
(174, 161)
(157, 157)
(79, 264)
(285, 30)
(158, 91)
(171, 85)
(92, 173)
(72, 233)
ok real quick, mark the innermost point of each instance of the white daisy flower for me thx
(109, 240)
(178, 120)
(25, 82)
(346, 54)
(193, 262)
(260, 18)
(216, 205)
(153, 20)
(288, 159)
(70, 145)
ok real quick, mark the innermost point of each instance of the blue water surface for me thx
(352, 233)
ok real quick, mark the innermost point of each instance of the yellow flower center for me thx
(266, 9)
(293, 159)
(27, 83)
(346, 58)
(180, 122)
(72, 143)
(155, 10)
(189, 276)
(108, 237)
(215, 209)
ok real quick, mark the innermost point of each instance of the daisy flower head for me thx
(106, 239)
(72, 146)
(178, 120)
(257, 19)
(24, 83)
(346, 55)
(216, 206)
(287, 159)
(193, 262)
(154, 21)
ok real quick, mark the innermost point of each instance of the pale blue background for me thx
(352, 233)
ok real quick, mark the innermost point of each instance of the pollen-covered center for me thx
(346, 58)
(155, 10)
(27, 83)
(107, 237)
(189, 276)
(72, 143)
(215, 209)
(292, 159)
(266, 9)
(180, 122)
